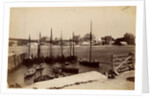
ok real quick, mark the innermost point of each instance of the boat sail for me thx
(90, 62)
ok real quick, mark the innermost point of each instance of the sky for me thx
(113, 21)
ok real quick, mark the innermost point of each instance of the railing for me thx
(122, 62)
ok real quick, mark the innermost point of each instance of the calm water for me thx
(18, 75)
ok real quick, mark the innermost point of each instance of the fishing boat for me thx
(39, 49)
(50, 59)
(70, 69)
(72, 58)
(61, 58)
(44, 77)
(29, 73)
(39, 67)
(28, 60)
(90, 62)
(69, 66)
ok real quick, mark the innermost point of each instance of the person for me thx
(111, 74)
(57, 71)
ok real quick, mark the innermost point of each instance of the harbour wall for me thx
(15, 59)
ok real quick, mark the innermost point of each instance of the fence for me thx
(122, 62)
(14, 60)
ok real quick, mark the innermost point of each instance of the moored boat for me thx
(90, 62)
(39, 67)
(29, 73)
(70, 69)
(44, 77)
(67, 67)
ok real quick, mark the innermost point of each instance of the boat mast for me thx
(90, 54)
(70, 46)
(61, 44)
(73, 42)
(51, 38)
(29, 46)
(38, 54)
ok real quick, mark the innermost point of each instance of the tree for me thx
(56, 41)
(11, 43)
(129, 38)
(107, 39)
(20, 43)
(86, 37)
(76, 39)
(44, 39)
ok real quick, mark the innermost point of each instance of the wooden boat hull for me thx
(70, 70)
(43, 78)
(39, 67)
(71, 58)
(27, 62)
(29, 73)
(27, 76)
(91, 64)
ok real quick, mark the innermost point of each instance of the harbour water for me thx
(103, 54)
(17, 76)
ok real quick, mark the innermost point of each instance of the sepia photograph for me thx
(86, 48)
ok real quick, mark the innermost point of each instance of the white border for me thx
(139, 47)
(147, 20)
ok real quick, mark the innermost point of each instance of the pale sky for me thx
(114, 21)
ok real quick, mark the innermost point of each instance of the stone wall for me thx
(14, 60)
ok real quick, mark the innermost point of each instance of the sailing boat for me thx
(39, 43)
(90, 62)
(51, 48)
(40, 58)
(61, 58)
(50, 59)
(29, 46)
(72, 58)
(28, 61)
